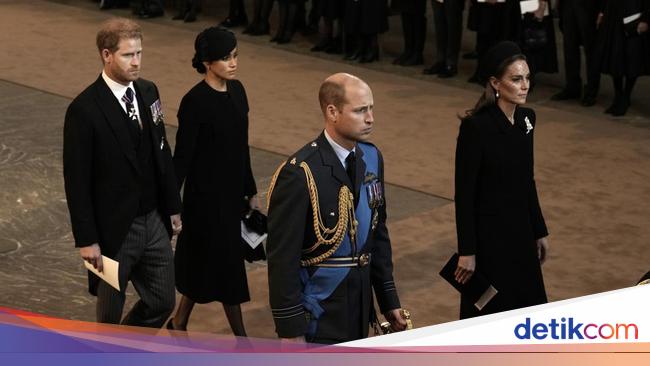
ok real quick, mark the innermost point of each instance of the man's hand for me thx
(642, 27)
(542, 249)
(177, 224)
(465, 269)
(254, 203)
(93, 255)
(397, 322)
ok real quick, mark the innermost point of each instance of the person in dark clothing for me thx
(261, 13)
(212, 158)
(331, 28)
(448, 22)
(288, 17)
(499, 222)
(414, 28)
(540, 58)
(364, 21)
(328, 244)
(236, 15)
(493, 26)
(146, 9)
(187, 12)
(120, 184)
(623, 50)
(578, 25)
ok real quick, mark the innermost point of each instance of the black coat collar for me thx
(329, 158)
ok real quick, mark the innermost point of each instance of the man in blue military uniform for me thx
(328, 244)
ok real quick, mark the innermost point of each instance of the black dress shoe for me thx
(566, 94)
(474, 79)
(615, 102)
(448, 72)
(435, 69)
(588, 100)
(621, 107)
(369, 56)
(260, 30)
(284, 39)
(470, 55)
(231, 22)
(321, 45)
(190, 17)
(354, 55)
(399, 59)
(413, 60)
(148, 14)
(335, 47)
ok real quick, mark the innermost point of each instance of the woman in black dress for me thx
(212, 159)
(540, 58)
(501, 230)
(623, 51)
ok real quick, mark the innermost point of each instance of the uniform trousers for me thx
(448, 22)
(579, 28)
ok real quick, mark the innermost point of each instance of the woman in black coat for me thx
(623, 51)
(541, 58)
(501, 230)
(212, 159)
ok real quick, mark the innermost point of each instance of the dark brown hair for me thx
(488, 97)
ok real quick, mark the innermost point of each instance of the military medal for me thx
(375, 198)
(156, 112)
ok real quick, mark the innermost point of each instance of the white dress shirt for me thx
(119, 90)
(341, 152)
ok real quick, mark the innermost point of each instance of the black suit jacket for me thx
(291, 229)
(101, 171)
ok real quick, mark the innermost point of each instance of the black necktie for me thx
(127, 98)
(351, 169)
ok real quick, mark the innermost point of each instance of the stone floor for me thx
(592, 171)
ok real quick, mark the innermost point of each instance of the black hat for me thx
(213, 44)
(495, 57)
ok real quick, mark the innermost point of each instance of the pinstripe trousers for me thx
(147, 260)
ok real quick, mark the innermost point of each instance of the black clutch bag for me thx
(630, 28)
(478, 288)
(254, 230)
(534, 34)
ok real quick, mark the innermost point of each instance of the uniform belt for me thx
(357, 261)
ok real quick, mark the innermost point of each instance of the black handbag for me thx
(535, 36)
(255, 221)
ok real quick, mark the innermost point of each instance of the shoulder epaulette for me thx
(302, 154)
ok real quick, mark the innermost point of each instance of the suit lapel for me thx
(115, 118)
(146, 97)
(331, 160)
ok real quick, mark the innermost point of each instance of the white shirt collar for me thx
(341, 152)
(119, 90)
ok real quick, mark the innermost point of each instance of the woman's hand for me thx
(539, 13)
(599, 20)
(465, 269)
(542, 249)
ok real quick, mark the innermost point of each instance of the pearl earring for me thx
(497, 95)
